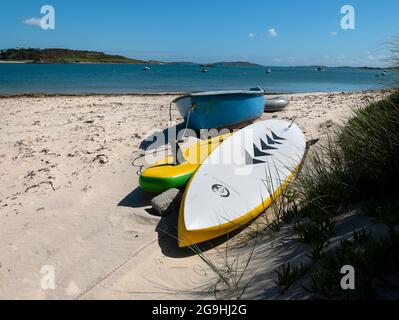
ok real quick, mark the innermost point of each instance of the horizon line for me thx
(114, 52)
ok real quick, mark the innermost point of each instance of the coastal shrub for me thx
(313, 233)
(287, 275)
(385, 212)
(376, 263)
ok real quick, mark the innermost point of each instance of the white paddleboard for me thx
(240, 179)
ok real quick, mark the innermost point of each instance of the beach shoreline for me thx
(174, 93)
(69, 196)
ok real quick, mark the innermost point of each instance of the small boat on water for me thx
(276, 104)
(221, 109)
(146, 68)
(204, 70)
(268, 71)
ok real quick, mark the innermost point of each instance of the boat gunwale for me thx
(222, 93)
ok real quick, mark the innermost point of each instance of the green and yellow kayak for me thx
(164, 175)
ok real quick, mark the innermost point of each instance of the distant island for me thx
(56, 55)
(231, 64)
(30, 55)
(62, 56)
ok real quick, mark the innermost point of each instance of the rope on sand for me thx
(90, 288)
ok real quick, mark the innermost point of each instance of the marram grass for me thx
(358, 166)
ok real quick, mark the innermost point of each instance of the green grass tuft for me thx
(287, 275)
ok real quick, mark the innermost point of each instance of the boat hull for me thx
(221, 110)
(276, 104)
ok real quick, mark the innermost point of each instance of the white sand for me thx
(69, 196)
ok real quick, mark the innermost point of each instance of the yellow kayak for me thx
(164, 175)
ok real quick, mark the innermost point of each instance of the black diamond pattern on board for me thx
(265, 146)
(271, 141)
(276, 137)
(251, 161)
(258, 153)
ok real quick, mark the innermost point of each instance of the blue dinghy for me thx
(221, 109)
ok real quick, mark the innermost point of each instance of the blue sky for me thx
(278, 32)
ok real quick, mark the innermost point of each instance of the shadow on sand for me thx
(160, 138)
(137, 199)
(167, 239)
(167, 227)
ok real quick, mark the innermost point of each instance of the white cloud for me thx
(251, 35)
(272, 32)
(37, 22)
(333, 33)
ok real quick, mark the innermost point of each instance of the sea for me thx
(131, 78)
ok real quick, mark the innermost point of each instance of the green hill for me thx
(62, 56)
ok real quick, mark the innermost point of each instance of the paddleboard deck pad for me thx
(239, 180)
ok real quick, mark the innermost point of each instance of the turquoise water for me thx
(114, 78)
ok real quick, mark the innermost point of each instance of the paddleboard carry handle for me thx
(289, 127)
(177, 154)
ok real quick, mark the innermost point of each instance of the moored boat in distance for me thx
(221, 109)
(146, 68)
(268, 71)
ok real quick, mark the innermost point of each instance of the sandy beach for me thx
(69, 195)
